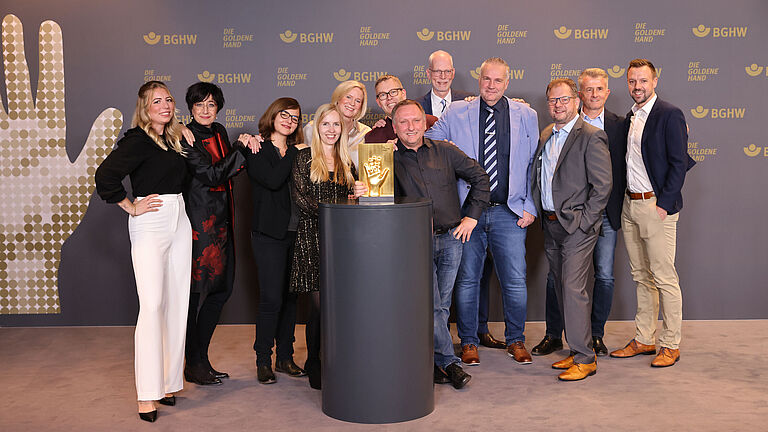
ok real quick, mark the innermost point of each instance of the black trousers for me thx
(202, 319)
(276, 318)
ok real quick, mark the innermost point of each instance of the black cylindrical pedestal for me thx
(376, 311)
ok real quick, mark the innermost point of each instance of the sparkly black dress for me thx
(305, 269)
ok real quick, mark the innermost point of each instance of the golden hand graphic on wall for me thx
(375, 176)
(43, 196)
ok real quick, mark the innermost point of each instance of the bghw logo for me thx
(754, 70)
(225, 78)
(289, 36)
(514, 74)
(153, 38)
(444, 35)
(615, 71)
(753, 150)
(703, 31)
(564, 32)
(362, 76)
(718, 113)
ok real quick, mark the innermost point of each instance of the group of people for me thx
(482, 161)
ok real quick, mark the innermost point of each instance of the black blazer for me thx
(665, 153)
(270, 187)
(426, 100)
(617, 146)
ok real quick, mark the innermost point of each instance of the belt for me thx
(494, 204)
(550, 215)
(443, 230)
(640, 195)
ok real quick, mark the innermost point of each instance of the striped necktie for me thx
(489, 152)
(442, 103)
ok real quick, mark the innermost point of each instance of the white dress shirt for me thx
(637, 176)
(550, 155)
(437, 103)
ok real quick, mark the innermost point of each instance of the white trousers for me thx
(161, 249)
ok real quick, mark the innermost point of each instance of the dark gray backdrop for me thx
(721, 239)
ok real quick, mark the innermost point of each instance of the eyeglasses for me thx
(441, 73)
(201, 106)
(563, 100)
(392, 93)
(285, 115)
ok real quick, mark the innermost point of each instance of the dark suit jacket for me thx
(665, 154)
(617, 146)
(270, 187)
(426, 100)
(582, 180)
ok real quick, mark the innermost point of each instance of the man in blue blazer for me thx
(502, 135)
(656, 163)
(593, 92)
(441, 73)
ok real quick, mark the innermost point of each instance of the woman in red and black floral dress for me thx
(212, 163)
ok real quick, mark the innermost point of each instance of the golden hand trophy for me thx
(376, 171)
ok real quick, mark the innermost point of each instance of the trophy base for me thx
(365, 200)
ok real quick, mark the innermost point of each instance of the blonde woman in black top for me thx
(161, 240)
(322, 172)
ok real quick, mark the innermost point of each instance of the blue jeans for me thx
(496, 230)
(446, 257)
(485, 286)
(602, 295)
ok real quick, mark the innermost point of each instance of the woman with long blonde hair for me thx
(321, 172)
(351, 100)
(150, 153)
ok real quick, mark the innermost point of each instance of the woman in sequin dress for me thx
(321, 172)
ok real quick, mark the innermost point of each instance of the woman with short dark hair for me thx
(212, 163)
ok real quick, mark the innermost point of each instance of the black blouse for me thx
(152, 169)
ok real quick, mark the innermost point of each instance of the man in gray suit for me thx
(571, 186)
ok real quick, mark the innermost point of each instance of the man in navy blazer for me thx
(593, 92)
(441, 73)
(656, 163)
(502, 135)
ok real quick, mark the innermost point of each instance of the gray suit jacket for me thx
(582, 181)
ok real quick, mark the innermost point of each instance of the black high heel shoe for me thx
(148, 416)
(168, 400)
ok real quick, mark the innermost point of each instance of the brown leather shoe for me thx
(469, 355)
(564, 363)
(578, 371)
(518, 352)
(667, 357)
(487, 340)
(634, 348)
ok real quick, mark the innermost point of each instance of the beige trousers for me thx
(651, 245)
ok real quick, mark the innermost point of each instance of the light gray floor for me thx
(81, 379)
